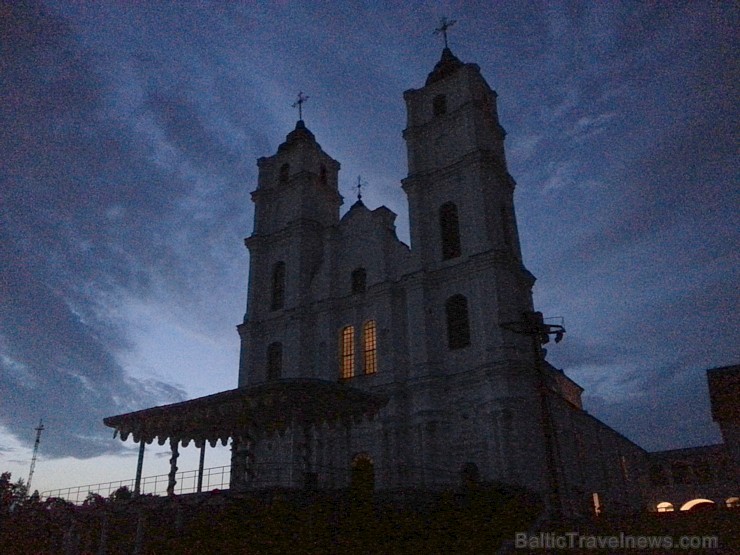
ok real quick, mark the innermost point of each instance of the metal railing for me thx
(263, 475)
(216, 477)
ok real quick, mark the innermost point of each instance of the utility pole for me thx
(35, 452)
(533, 325)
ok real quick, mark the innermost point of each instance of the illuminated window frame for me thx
(347, 352)
(369, 347)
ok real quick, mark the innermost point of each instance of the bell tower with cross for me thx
(296, 200)
(455, 147)
(461, 203)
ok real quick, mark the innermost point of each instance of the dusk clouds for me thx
(128, 143)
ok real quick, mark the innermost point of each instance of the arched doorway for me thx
(697, 504)
(665, 507)
(363, 475)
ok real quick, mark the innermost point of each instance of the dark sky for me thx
(129, 134)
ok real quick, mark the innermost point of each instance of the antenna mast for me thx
(35, 452)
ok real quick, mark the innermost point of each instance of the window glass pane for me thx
(369, 347)
(347, 351)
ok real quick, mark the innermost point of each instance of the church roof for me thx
(258, 410)
(300, 133)
(446, 66)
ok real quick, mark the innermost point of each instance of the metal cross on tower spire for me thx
(443, 26)
(359, 187)
(299, 103)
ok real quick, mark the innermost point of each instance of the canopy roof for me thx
(248, 411)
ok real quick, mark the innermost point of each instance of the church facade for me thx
(444, 331)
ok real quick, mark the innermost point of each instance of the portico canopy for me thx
(253, 411)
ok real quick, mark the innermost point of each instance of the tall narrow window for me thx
(449, 228)
(369, 347)
(458, 325)
(347, 351)
(322, 175)
(284, 173)
(359, 280)
(274, 361)
(278, 286)
(439, 105)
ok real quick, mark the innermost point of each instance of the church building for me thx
(366, 361)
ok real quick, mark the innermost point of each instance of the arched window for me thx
(322, 175)
(359, 280)
(347, 351)
(458, 325)
(369, 347)
(439, 105)
(284, 173)
(274, 361)
(278, 286)
(449, 228)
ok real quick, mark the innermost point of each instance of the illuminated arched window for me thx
(284, 173)
(359, 280)
(665, 507)
(274, 361)
(369, 347)
(278, 286)
(347, 351)
(449, 228)
(458, 325)
(439, 105)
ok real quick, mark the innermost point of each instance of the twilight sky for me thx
(129, 135)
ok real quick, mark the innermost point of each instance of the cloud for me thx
(78, 230)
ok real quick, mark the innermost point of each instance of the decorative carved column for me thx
(201, 462)
(309, 477)
(172, 477)
(139, 466)
(249, 447)
(243, 461)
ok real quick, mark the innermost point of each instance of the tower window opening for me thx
(274, 361)
(359, 280)
(347, 351)
(439, 105)
(278, 286)
(370, 347)
(322, 175)
(458, 325)
(449, 230)
(284, 173)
